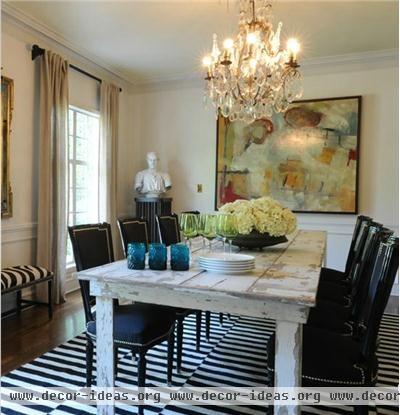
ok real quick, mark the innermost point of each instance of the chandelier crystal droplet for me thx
(251, 76)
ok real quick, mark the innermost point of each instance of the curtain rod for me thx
(37, 51)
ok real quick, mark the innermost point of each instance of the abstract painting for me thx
(306, 158)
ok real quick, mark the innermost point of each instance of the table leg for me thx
(104, 349)
(288, 355)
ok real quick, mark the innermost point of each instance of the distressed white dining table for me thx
(282, 287)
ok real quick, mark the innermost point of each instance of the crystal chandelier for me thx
(253, 76)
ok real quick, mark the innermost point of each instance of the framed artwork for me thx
(7, 105)
(306, 158)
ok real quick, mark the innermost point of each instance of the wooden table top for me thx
(287, 273)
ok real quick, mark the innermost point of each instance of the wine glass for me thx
(200, 227)
(210, 228)
(189, 226)
(220, 227)
(230, 229)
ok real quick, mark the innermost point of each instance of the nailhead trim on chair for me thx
(335, 381)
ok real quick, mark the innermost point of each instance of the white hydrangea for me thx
(263, 215)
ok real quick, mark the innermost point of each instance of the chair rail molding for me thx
(18, 232)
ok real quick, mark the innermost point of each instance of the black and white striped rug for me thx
(235, 356)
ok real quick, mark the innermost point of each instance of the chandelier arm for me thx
(258, 92)
(253, 10)
(240, 93)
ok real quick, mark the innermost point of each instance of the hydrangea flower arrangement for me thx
(264, 215)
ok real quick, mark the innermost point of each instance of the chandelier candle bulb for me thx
(207, 63)
(228, 43)
(293, 46)
(253, 76)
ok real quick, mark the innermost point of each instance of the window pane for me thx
(81, 200)
(81, 149)
(81, 218)
(81, 178)
(82, 125)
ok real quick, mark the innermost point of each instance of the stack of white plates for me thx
(227, 263)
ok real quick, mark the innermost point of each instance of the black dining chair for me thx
(133, 230)
(339, 291)
(329, 274)
(334, 360)
(168, 229)
(346, 318)
(136, 230)
(138, 327)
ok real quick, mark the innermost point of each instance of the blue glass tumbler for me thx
(180, 259)
(136, 255)
(158, 256)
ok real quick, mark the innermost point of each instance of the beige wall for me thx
(175, 123)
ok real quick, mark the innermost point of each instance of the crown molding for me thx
(362, 61)
(352, 61)
(27, 22)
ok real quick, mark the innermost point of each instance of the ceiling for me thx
(156, 40)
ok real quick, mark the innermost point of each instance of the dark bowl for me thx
(257, 240)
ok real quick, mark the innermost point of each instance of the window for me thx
(83, 169)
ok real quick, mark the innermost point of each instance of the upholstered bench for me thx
(15, 279)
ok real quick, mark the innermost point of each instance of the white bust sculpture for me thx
(150, 182)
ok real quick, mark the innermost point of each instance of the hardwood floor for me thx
(25, 337)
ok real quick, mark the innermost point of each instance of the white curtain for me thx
(109, 114)
(52, 209)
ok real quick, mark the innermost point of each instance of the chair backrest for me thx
(384, 273)
(133, 230)
(357, 228)
(376, 235)
(92, 247)
(168, 229)
(360, 251)
(364, 257)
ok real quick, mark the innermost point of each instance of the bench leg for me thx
(50, 298)
(19, 296)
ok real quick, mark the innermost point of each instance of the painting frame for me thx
(7, 108)
(355, 211)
